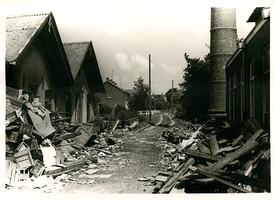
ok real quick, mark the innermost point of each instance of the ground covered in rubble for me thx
(131, 167)
(135, 160)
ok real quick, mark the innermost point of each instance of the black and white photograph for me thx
(168, 98)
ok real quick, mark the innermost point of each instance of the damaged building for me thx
(50, 88)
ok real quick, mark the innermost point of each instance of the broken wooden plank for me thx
(239, 178)
(227, 149)
(178, 167)
(202, 155)
(158, 186)
(172, 181)
(250, 144)
(61, 119)
(115, 126)
(203, 148)
(57, 170)
(203, 172)
(67, 136)
(214, 146)
(237, 140)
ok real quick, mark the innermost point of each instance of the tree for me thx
(158, 102)
(196, 87)
(140, 98)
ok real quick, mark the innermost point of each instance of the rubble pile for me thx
(218, 157)
(175, 135)
(43, 150)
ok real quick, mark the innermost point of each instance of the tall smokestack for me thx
(223, 43)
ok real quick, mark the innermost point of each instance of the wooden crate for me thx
(38, 168)
(86, 131)
(22, 146)
(26, 129)
(24, 174)
(15, 137)
(12, 173)
(34, 145)
(24, 158)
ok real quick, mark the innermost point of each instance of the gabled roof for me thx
(257, 13)
(76, 52)
(20, 30)
(111, 82)
(24, 30)
(81, 54)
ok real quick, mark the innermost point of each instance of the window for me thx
(234, 96)
(109, 96)
(242, 91)
(229, 98)
(32, 91)
(252, 87)
(48, 99)
(266, 60)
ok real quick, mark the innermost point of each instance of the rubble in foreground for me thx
(218, 157)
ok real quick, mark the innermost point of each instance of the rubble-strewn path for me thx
(134, 161)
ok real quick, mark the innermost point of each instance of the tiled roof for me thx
(114, 85)
(82, 55)
(20, 29)
(76, 52)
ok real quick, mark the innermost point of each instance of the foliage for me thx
(169, 94)
(123, 114)
(139, 100)
(158, 102)
(142, 118)
(196, 87)
(173, 95)
(105, 110)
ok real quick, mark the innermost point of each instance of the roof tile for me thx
(19, 31)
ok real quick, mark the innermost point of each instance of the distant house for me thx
(248, 74)
(87, 79)
(113, 95)
(36, 62)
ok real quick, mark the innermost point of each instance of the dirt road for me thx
(135, 161)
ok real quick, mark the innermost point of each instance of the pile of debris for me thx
(43, 145)
(236, 155)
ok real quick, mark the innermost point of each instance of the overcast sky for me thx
(124, 33)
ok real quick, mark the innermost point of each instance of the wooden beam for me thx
(172, 181)
(237, 140)
(202, 155)
(238, 178)
(214, 146)
(203, 172)
(250, 144)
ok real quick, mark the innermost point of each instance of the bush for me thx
(142, 118)
(105, 110)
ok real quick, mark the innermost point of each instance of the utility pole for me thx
(150, 114)
(172, 96)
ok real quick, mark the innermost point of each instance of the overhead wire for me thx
(127, 50)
